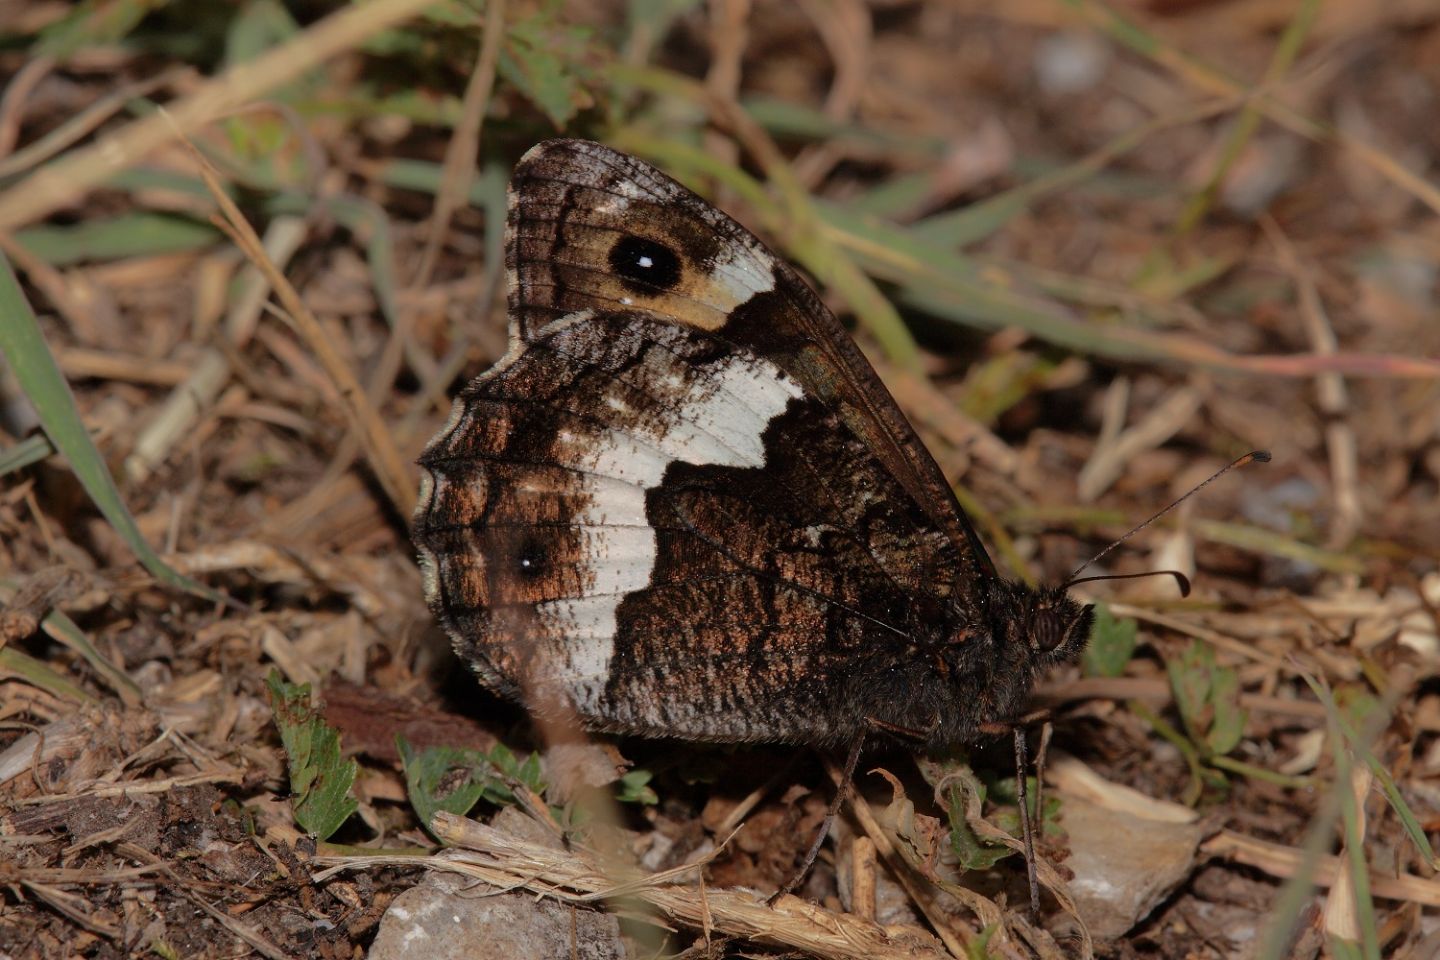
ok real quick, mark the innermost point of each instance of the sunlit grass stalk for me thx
(1286, 908)
(1249, 119)
(1205, 77)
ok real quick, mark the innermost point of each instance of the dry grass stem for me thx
(1107, 463)
(1279, 860)
(508, 863)
(464, 145)
(67, 179)
(380, 449)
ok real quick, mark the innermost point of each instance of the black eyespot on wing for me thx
(643, 265)
(530, 560)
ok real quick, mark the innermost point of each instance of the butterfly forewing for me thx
(594, 228)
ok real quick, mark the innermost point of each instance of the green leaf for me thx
(1208, 698)
(971, 852)
(452, 779)
(1228, 723)
(1190, 681)
(979, 947)
(455, 779)
(320, 779)
(1006, 802)
(634, 788)
(1112, 644)
(527, 773)
(540, 58)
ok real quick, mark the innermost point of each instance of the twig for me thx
(464, 145)
(1331, 395)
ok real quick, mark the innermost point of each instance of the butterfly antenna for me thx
(1260, 456)
(1182, 581)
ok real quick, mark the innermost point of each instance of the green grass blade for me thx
(23, 347)
(141, 233)
(970, 224)
(1351, 814)
(19, 456)
(1249, 120)
(1391, 790)
(41, 675)
(59, 626)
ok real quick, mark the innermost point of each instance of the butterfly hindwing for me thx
(619, 473)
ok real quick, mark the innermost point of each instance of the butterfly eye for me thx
(643, 265)
(1046, 630)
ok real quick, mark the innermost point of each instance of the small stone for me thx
(447, 917)
(1124, 865)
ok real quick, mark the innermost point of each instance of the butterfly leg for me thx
(904, 733)
(1016, 728)
(1027, 830)
(842, 790)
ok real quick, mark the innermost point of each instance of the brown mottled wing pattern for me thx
(682, 502)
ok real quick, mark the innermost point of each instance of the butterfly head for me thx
(997, 639)
(1059, 627)
(1042, 625)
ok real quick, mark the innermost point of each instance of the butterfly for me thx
(684, 505)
